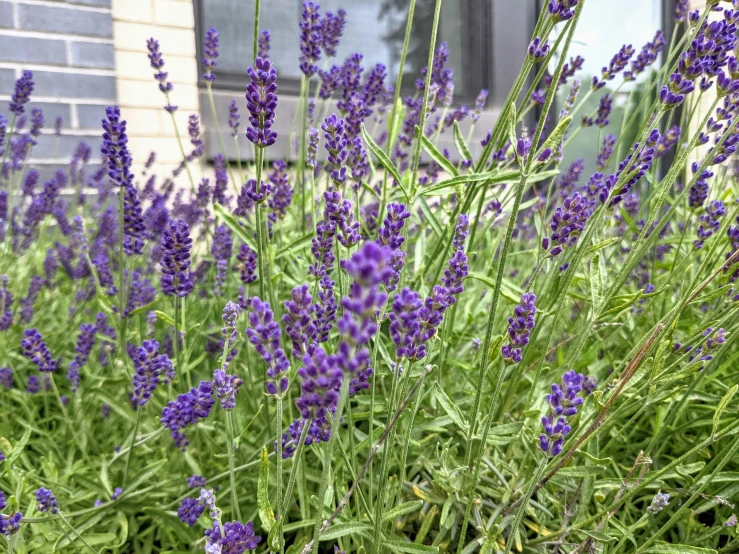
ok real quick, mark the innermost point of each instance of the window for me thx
(375, 28)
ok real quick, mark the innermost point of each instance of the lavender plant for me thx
(384, 343)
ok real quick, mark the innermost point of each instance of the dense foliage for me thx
(385, 347)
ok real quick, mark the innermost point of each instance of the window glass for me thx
(375, 28)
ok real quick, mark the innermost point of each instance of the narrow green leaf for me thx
(558, 134)
(236, 228)
(435, 155)
(18, 448)
(450, 408)
(722, 406)
(601, 245)
(384, 160)
(412, 548)
(297, 245)
(164, 317)
(402, 509)
(430, 217)
(461, 144)
(581, 471)
(345, 528)
(142, 309)
(266, 515)
(665, 548)
(596, 286)
(599, 536)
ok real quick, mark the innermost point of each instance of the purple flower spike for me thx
(405, 325)
(189, 511)
(35, 349)
(617, 65)
(46, 501)
(568, 223)
(321, 380)
(297, 319)
(157, 64)
(210, 53)
(332, 27)
(234, 538)
(519, 328)
(311, 38)
(176, 244)
(261, 101)
(264, 334)
(264, 43)
(336, 145)
(150, 368)
(233, 118)
(227, 387)
(562, 10)
(85, 343)
(563, 403)
(538, 50)
(115, 148)
(22, 93)
(187, 410)
(248, 264)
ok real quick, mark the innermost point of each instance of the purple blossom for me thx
(648, 54)
(22, 93)
(157, 64)
(480, 102)
(311, 38)
(189, 511)
(46, 501)
(35, 349)
(234, 538)
(226, 386)
(562, 10)
(336, 146)
(115, 148)
(196, 481)
(6, 377)
(618, 63)
(85, 343)
(320, 382)
(538, 50)
(299, 325)
(332, 27)
(247, 264)
(405, 325)
(609, 143)
(176, 244)
(604, 112)
(264, 43)
(699, 191)
(520, 325)
(261, 102)
(568, 223)
(264, 334)
(233, 118)
(563, 403)
(709, 222)
(150, 368)
(187, 410)
(210, 53)
(659, 503)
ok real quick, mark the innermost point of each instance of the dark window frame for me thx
(479, 45)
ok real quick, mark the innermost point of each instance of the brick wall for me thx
(68, 44)
(172, 22)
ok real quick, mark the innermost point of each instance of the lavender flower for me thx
(187, 410)
(115, 148)
(157, 63)
(21, 94)
(10, 524)
(604, 112)
(85, 343)
(233, 118)
(46, 501)
(609, 143)
(659, 503)
(196, 481)
(221, 250)
(264, 334)
(332, 27)
(709, 223)
(176, 243)
(480, 102)
(405, 325)
(234, 538)
(299, 326)
(648, 55)
(35, 349)
(519, 328)
(339, 213)
(210, 53)
(34, 288)
(538, 50)
(618, 63)
(336, 146)
(311, 38)
(248, 264)
(562, 10)
(189, 511)
(150, 368)
(261, 101)
(563, 403)
(321, 379)
(226, 386)
(6, 304)
(568, 222)
(6, 377)
(264, 42)
(134, 229)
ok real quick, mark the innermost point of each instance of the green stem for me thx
(218, 133)
(133, 443)
(182, 149)
(231, 473)
(79, 536)
(328, 456)
(255, 46)
(260, 238)
(278, 434)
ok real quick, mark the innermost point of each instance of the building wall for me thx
(150, 127)
(68, 44)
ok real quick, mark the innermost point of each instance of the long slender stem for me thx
(278, 434)
(182, 150)
(79, 536)
(257, 10)
(261, 253)
(228, 416)
(218, 133)
(133, 443)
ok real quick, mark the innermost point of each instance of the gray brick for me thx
(6, 15)
(92, 54)
(32, 50)
(7, 81)
(74, 85)
(52, 110)
(89, 116)
(53, 146)
(97, 3)
(65, 20)
(46, 172)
